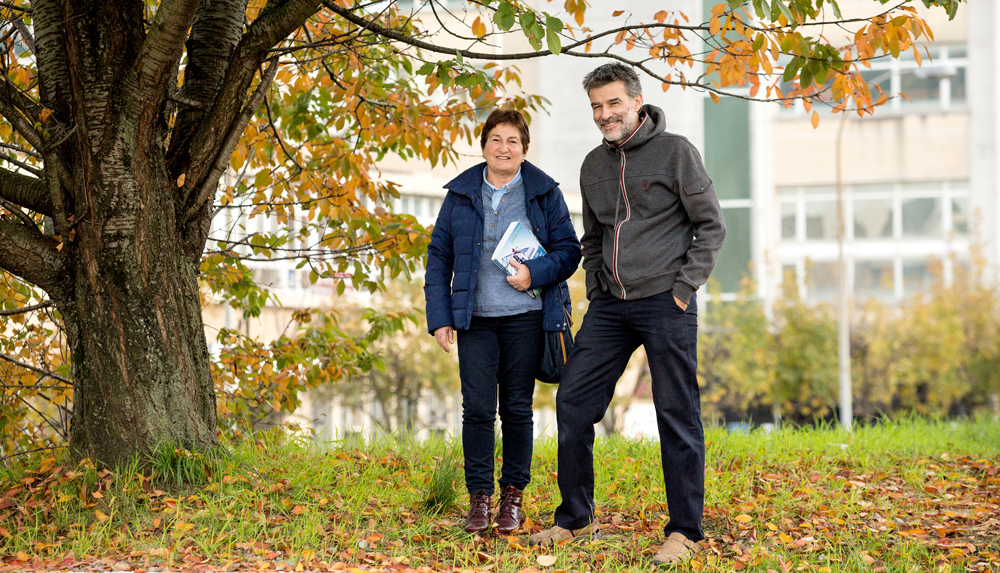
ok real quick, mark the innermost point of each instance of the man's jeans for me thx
(498, 353)
(611, 332)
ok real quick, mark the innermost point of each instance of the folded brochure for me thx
(517, 243)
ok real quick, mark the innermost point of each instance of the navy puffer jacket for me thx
(456, 247)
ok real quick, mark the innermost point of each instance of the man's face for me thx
(615, 114)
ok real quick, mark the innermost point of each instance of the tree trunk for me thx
(133, 315)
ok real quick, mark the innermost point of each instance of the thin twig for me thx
(33, 170)
(14, 455)
(185, 101)
(36, 386)
(34, 154)
(24, 309)
(41, 371)
(19, 214)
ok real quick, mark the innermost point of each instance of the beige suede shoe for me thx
(677, 549)
(556, 535)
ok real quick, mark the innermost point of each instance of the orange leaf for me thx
(617, 13)
(22, 556)
(298, 510)
(815, 119)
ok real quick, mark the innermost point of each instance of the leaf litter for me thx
(361, 509)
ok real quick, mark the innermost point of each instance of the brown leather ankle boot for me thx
(510, 516)
(478, 519)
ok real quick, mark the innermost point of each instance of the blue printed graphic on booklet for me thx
(517, 243)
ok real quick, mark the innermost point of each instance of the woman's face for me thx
(504, 151)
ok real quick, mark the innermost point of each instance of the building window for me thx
(937, 83)
(821, 281)
(892, 229)
(921, 217)
(873, 279)
(919, 275)
(873, 219)
(821, 219)
(788, 217)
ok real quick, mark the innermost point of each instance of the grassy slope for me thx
(899, 497)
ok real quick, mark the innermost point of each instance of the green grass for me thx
(907, 496)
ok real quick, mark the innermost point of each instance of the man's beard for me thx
(629, 120)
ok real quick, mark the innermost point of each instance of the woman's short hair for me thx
(510, 117)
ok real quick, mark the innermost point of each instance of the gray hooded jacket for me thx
(651, 219)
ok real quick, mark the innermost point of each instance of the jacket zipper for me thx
(618, 227)
(628, 207)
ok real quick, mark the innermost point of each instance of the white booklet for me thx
(517, 243)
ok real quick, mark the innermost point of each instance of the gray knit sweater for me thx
(651, 219)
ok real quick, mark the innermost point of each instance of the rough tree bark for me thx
(130, 199)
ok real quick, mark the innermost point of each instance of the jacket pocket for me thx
(698, 187)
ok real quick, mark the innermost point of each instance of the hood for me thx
(652, 122)
(470, 181)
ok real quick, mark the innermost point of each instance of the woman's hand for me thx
(444, 336)
(522, 280)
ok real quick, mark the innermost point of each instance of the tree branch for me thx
(162, 46)
(33, 170)
(25, 33)
(12, 6)
(401, 37)
(215, 130)
(215, 33)
(25, 191)
(32, 256)
(35, 369)
(20, 150)
(17, 212)
(232, 138)
(26, 309)
(54, 88)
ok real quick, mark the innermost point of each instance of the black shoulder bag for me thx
(557, 348)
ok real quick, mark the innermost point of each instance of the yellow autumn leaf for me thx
(815, 119)
(744, 518)
(101, 516)
(22, 556)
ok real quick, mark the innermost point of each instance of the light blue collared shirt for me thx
(498, 193)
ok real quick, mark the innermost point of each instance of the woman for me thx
(500, 327)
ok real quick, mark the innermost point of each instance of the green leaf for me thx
(458, 57)
(806, 76)
(788, 13)
(426, 69)
(791, 70)
(504, 16)
(553, 26)
(820, 74)
(836, 10)
(341, 287)
(758, 42)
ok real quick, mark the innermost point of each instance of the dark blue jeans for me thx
(498, 356)
(612, 330)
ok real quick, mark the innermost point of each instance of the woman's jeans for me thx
(499, 355)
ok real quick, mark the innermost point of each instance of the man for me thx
(652, 232)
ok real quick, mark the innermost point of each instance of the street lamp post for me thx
(843, 309)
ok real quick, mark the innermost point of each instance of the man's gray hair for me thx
(613, 72)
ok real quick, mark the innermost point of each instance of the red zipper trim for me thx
(628, 207)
